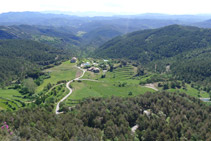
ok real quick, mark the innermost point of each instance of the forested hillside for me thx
(60, 37)
(19, 57)
(149, 45)
(185, 49)
(169, 116)
(195, 66)
(98, 36)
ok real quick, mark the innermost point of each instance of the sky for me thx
(114, 6)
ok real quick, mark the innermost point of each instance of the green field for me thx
(56, 94)
(123, 74)
(191, 91)
(87, 89)
(111, 85)
(116, 83)
(10, 97)
(103, 89)
(65, 71)
(44, 38)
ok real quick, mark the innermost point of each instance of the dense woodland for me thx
(194, 66)
(150, 45)
(172, 116)
(21, 57)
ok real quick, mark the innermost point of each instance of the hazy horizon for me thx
(114, 7)
(108, 14)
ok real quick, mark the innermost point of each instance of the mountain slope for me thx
(59, 37)
(20, 57)
(203, 24)
(148, 45)
(100, 35)
(36, 33)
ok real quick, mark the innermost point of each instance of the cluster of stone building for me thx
(92, 69)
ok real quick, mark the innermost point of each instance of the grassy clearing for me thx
(92, 75)
(56, 94)
(108, 86)
(207, 103)
(100, 89)
(11, 94)
(121, 73)
(44, 38)
(124, 74)
(191, 91)
(80, 33)
(86, 89)
(65, 71)
(10, 99)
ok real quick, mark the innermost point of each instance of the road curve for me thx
(68, 87)
(151, 85)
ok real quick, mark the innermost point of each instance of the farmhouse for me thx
(94, 69)
(73, 60)
(86, 65)
(90, 69)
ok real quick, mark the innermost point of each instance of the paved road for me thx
(68, 87)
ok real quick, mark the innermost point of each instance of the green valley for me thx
(118, 78)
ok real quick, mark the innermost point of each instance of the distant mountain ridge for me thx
(96, 30)
(73, 19)
(60, 37)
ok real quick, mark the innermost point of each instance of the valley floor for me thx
(69, 84)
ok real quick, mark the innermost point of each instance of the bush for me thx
(130, 93)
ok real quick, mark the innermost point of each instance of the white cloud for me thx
(118, 6)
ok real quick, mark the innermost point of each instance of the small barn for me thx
(91, 69)
(73, 60)
(96, 70)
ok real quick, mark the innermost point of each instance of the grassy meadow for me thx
(191, 91)
(65, 71)
(11, 99)
(86, 89)
(116, 83)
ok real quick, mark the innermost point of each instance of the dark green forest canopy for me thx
(195, 65)
(19, 57)
(148, 45)
(172, 117)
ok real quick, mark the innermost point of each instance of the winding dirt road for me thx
(152, 86)
(68, 87)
